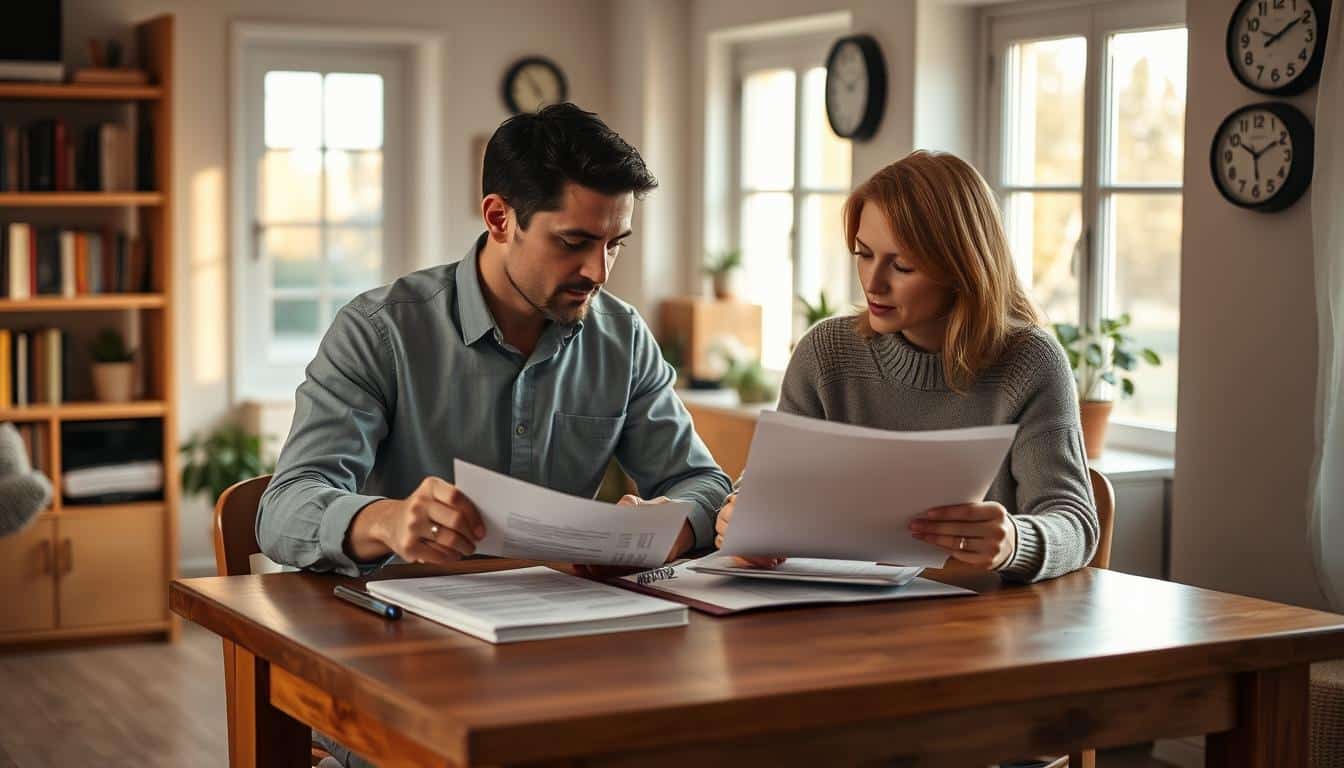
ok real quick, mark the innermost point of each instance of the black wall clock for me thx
(532, 83)
(856, 87)
(1262, 156)
(1276, 46)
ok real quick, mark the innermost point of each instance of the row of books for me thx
(34, 438)
(46, 157)
(32, 367)
(48, 261)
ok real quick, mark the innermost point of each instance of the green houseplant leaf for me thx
(222, 457)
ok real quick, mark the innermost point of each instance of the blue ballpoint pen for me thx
(368, 602)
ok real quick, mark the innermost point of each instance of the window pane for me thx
(827, 266)
(1148, 286)
(767, 274)
(295, 317)
(355, 186)
(354, 111)
(1147, 109)
(1043, 230)
(827, 159)
(293, 116)
(767, 129)
(355, 257)
(290, 185)
(293, 253)
(1043, 128)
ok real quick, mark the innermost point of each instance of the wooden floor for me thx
(149, 705)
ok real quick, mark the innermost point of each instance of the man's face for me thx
(559, 263)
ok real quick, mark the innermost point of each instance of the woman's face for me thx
(901, 297)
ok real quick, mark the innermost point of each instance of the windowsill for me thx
(1117, 463)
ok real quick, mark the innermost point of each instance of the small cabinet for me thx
(110, 563)
(26, 581)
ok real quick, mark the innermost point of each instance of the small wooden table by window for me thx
(1093, 659)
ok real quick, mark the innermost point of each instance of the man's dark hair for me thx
(532, 155)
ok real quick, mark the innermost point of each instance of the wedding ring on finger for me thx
(961, 545)
(434, 530)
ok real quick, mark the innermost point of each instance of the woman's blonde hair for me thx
(944, 217)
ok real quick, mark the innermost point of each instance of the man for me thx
(513, 359)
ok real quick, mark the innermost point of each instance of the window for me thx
(793, 174)
(1087, 149)
(320, 190)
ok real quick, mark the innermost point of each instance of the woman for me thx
(950, 339)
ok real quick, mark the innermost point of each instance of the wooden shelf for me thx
(78, 92)
(85, 411)
(97, 302)
(79, 199)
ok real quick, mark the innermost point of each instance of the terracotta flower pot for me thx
(1096, 416)
(114, 382)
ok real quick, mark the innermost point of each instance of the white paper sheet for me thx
(741, 594)
(815, 488)
(811, 569)
(534, 523)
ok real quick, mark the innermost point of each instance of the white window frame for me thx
(412, 191)
(797, 53)
(1001, 26)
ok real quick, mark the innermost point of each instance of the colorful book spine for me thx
(6, 373)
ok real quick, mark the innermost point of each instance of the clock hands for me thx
(1280, 33)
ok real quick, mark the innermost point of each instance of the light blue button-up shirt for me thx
(415, 374)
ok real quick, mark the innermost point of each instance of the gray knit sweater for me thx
(837, 375)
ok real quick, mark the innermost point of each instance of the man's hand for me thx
(437, 524)
(685, 540)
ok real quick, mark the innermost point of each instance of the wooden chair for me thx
(235, 542)
(1104, 494)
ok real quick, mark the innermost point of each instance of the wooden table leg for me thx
(264, 737)
(230, 693)
(1271, 730)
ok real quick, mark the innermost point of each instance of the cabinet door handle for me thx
(67, 556)
(44, 557)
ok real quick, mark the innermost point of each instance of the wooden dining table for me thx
(1092, 659)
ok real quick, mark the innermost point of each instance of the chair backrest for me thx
(1105, 498)
(236, 525)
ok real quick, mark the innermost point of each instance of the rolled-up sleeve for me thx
(659, 448)
(341, 416)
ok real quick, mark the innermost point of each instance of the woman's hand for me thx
(721, 528)
(977, 534)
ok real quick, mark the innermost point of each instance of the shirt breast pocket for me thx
(581, 448)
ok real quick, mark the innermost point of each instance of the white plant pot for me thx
(725, 285)
(114, 382)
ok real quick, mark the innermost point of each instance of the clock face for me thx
(533, 84)
(847, 89)
(1273, 43)
(1254, 156)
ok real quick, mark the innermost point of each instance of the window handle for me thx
(257, 229)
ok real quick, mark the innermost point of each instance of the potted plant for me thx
(113, 368)
(750, 381)
(1093, 366)
(224, 456)
(815, 313)
(722, 270)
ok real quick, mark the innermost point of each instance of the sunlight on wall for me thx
(208, 278)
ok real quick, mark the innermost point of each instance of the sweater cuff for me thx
(1029, 556)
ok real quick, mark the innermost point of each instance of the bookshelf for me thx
(91, 571)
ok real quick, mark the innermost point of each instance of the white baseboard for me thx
(1187, 752)
(190, 568)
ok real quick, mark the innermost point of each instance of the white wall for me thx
(481, 39)
(947, 52)
(1248, 362)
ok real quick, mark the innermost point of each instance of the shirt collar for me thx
(472, 313)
